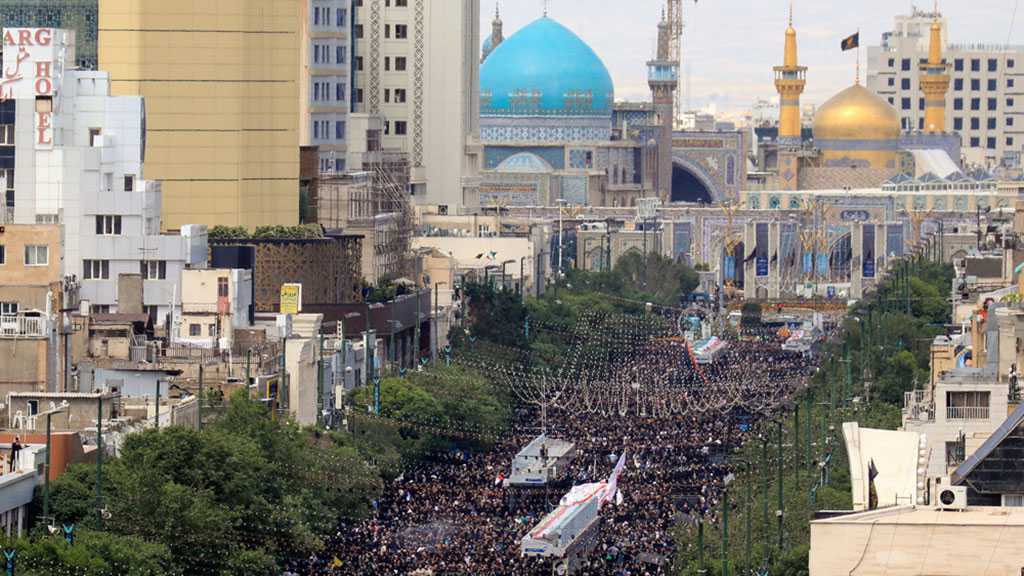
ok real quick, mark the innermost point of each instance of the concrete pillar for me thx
(775, 267)
(749, 266)
(857, 260)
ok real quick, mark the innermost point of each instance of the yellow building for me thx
(220, 79)
(857, 128)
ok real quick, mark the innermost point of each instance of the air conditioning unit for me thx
(952, 497)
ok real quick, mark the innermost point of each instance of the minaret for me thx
(662, 77)
(497, 37)
(935, 82)
(790, 79)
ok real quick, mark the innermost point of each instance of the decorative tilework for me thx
(581, 159)
(574, 189)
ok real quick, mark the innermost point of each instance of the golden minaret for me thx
(790, 79)
(935, 82)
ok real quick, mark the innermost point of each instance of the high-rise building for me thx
(221, 85)
(417, 67)
(78, 161)
(325, 81)
(78, 15)
(983, 104)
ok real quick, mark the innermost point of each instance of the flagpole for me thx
(858, 56)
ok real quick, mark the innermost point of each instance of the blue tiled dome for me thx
(488, 46)
(545, 69)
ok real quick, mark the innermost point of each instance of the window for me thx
(339, 130)
(975, 84)
(975, 103)
(359, 95)
(195, 330)
(359, 63)
(211, 330)
(9, 308)
(94, 137)
(891, 100)
(339, 89)
(3, 255)
(400, 63)
(108, 225)
(993, 104)
(958, 103)
(222, 287)
(958, 84)
(401, 3)
(153, 269)
(920, 123)
(400, 128)
(341, 54)
(1009, 102)
(387, 30)
(905, 84)
(905, 64)
(129, 182)
(1009, 141)
(96, 269)
(993, 65)
(401, 31)
(920, 104)
(1009, 120)
(33, 407)
(958, 64)
(7, 134)
(359, 31)
(905, 103)
(1009, 82)
(387, 95)
(975, 65)
(967, 405)
(387, 63)
(958, 124)
(991, 123)
(37, 255)
(892, 81)
(342, 15)
(992, 84)
(975, 142)
(387, 127)
(892, 62)
(1013, 500)
(903, 123)
(399, 95)
(316, 15)
(975, 124)
(991, 143)
(1010, 63)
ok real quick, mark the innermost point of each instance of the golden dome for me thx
(856, 114)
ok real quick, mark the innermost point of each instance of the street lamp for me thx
(561, 206)
(504, 275)
(49, 445)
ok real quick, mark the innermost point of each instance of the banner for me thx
(808, 263)
(730, 267)
(822, 264)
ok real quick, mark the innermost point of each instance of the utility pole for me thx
(781, 511)
(99, 457)
(725, 531)
(156, 411)
(199, 404)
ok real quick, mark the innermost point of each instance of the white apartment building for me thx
(985, 102)
(417, 66)
(78, 161)
(326, 78)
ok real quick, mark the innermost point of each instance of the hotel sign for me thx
(33, 65)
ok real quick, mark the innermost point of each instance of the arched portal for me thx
(690, 183)
(840, 259)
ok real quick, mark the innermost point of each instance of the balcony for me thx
(917, 405)
(23, 327)
(967, 413)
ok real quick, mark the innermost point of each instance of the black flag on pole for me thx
(851, 42)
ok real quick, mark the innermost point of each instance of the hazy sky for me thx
(730, 45)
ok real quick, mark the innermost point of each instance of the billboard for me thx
(291, 298)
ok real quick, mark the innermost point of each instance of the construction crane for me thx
(674, 14)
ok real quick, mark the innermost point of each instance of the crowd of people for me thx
(452, 515)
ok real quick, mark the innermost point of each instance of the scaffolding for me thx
(375, 203)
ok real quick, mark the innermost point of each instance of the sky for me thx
(730, 46)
